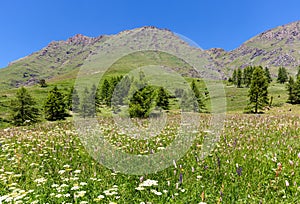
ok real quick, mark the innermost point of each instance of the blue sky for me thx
(29, 25)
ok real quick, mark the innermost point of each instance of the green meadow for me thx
(255, 160)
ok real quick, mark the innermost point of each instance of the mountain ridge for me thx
(273, 48)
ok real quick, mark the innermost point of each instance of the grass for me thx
(256, 160)
(236, 98)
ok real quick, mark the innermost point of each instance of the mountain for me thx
(56, 59)
(273, 48)
(62, 59)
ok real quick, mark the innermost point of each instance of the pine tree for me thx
(234, 77)
(108, 89)
(258, 92)
(73, 100)
(282, 75)
(55, 107)
(298, 73)
(93, 94)
(297, 90)
(198, 95)
(291, 91)
(248, 71)
(162, 99)
(140, 104)
(23, 108)
(121, 91)
(87, 107)
(104, 92)
(239, 79)
(188, 102)
(268, 75)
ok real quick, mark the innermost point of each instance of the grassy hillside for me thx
(255, 159)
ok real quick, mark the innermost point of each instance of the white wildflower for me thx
(139, 188)
(74, 188)
(149, 182)
(156, 192)
(61, 171)
(77, 171)
(58, 195)
(287, 184)
(101, 196)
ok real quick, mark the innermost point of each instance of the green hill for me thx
(59, 62)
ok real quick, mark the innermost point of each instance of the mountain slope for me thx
(62, 59)
(274, 48)
(57, 58)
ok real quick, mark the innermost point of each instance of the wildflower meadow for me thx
(256, 160)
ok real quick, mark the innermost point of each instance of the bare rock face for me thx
(216, 52)
(80, 39)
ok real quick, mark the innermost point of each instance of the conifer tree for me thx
(55, 107)
(234, 77)
(297, 90)
(188, 102)
(87, 107)
(140, 104)
(298, 73)
(23, 108)
(198, 95)
(239, 79)
(162, 99)
(282, 75)
(248, 71)
(258, 92)
(291, 86)
(121, 91)
(268, 75)
(73, 100)
(105, 92)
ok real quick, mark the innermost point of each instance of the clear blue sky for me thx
(29, 25)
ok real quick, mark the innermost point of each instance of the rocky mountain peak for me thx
(79, 39)
(288, 32)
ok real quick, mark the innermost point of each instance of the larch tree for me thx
(55, 106)
(199, 96)
(141, 102)
(282, 75)
(23, 108)
(258, 92)
(291, 88)
(162, 99)
(268, 74)
(239, 78)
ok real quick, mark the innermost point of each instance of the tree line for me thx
(114, 92)
(293, 87)
(257, 79)
(242, 77)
